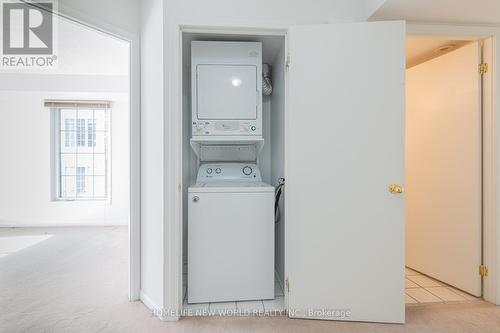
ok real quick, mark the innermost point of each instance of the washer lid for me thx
(230, 186)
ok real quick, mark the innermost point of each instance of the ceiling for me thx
(444, 11)
(420, 49)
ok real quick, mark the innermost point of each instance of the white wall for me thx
(152, 154)
(277, 12)
(83, 51)
(372, 6)
(439, 11)
(25, 175)
(119, 15)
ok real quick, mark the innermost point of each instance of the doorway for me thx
(444, 139)
(65, 223)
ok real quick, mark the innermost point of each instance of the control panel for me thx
(229, 171)
(230, 127)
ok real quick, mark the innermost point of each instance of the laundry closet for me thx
(233, 170)
(316, 124)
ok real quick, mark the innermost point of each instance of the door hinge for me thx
(483, 270)
(287, 285)
(287, 62)
(483, 68)
(179, 187)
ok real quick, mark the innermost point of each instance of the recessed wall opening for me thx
(269, 160)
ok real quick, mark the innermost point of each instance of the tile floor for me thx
(421, 289)
(273, 306)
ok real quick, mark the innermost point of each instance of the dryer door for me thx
(227, 92)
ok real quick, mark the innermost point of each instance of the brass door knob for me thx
(396, 189)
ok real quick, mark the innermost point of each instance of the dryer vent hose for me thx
(278, 191)
(267, 85)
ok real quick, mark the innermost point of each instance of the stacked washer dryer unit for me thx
(230, 209)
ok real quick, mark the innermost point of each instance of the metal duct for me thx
(267, 85)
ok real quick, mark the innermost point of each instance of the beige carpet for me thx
(76, 281)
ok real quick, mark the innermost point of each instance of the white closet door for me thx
(443, 161)
(345, 146)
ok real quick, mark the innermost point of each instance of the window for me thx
(80, 132)
(80, 180)
(69, 127)
(91, 133)
(81, 149)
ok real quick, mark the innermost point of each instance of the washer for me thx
(230, 234)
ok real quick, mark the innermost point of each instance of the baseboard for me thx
(148, 302)
(155, 309)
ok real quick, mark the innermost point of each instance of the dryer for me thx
(226, 88)
(230, 234)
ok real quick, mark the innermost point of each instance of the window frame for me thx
(55, 134)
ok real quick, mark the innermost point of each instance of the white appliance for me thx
(226, 88)
(230, 234)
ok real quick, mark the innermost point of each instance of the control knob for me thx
(247, 170)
